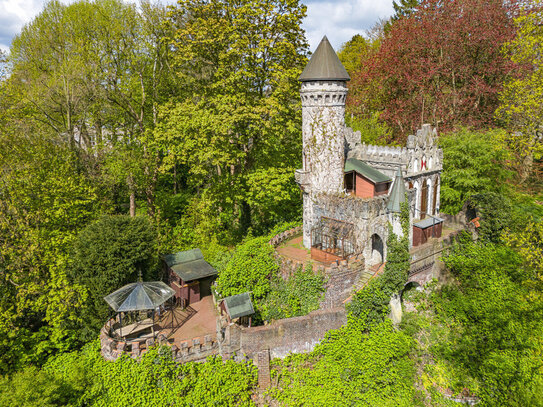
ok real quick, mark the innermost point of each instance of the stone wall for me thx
(426, 261)
(194, 350)
(291, 335)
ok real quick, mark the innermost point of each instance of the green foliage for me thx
(44, 202)
(498, 323)
(351, 366)
(496, 214)
(352, 53)
(250, 269)
(372, 131)
(473, 163)
(84, 378)
(107, 255)
(235, 126)
(300, 294)
(522, 94)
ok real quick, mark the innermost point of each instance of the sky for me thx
(339, 20)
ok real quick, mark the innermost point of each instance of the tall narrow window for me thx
(424, 200)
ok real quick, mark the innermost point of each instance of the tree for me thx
(354, 52)
(476, 163)
(522, 94)
(442, 64)
(112, 252)
(44, 202)
(237, 117)
(95, 72)
(403, 8)
(498, 323)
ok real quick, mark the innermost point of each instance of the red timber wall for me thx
(364, 187)
(421, 236)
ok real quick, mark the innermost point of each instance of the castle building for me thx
(353, 191)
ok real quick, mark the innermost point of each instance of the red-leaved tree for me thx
(443, 64)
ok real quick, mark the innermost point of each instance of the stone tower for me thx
(323, 93)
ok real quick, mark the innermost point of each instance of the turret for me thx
(323, 93)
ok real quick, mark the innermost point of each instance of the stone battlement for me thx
(193, 350)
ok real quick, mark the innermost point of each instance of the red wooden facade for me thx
(186, 292)
(362, 187)
(421, 235)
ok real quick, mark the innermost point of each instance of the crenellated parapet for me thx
(323, 93)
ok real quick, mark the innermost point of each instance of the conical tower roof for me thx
(397, 194)
(324, 65)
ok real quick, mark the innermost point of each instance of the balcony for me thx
(303, 179)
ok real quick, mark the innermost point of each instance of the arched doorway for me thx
(424, 200)
(377, 249)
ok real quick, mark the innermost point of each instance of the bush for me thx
(300, 294)
(107, 255)
(250, 269)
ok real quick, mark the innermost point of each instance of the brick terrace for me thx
(195, 321)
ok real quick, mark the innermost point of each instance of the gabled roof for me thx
(239, 305)
(324, 65)
(189, 265)
(397, 193)
(352, 164)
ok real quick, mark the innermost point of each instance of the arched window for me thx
(434, 200)
(423, 200)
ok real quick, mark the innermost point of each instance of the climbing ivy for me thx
(372, 302)
(84, 378)
(300, 294)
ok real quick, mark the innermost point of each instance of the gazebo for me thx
(136, 297)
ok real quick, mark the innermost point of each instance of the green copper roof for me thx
(397, 194)
(324, 65)
(189, 265)
(352, 164)
(239, 305)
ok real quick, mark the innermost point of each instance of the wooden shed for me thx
(238, 308)
(363, 181)
(189, 275)
(426, 229)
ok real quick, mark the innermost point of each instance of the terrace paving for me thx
(195, 321)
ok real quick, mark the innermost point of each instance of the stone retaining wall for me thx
(290, 335)
(286, 235)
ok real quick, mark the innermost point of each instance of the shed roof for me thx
(397, 194)
(324, 65)
(239, 305)
(190, 265)
(352, 164)
(427, 222)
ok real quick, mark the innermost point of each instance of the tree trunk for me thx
(132, 204)
(132, 189)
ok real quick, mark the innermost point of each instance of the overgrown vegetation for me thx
(84, 378)
(298, 295)
(188, 121)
